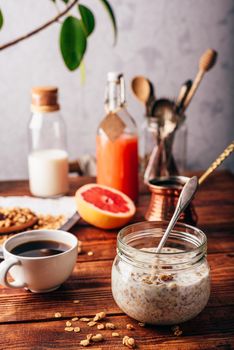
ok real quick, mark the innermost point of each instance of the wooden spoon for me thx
(144, 91)
(207, 61)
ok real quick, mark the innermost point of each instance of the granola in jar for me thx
(166, 288)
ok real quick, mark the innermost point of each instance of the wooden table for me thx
(27, 320)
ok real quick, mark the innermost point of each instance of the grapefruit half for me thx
(103, 206)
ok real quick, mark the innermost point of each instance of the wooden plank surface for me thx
(27, 320)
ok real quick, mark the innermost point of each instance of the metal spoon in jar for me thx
(185, 198)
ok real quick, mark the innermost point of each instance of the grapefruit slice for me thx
(103, 206)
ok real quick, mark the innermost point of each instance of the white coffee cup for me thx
(38, 274)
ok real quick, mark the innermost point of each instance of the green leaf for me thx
(87, 19)
(112, 17)
(65, 1)
(1, 19)
(72, 42)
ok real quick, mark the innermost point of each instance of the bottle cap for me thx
(44, 99)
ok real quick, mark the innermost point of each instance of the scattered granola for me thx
(97, 338)
(129, 342)
(47, 221)
(99, 316)
(100, 326)
(177, 331)
(75, 319)
(79, 249)
(141, 324)
(115, 334)
(57, 315)
(110, 325)
(130, 326)
(84, 319)
(76, 329)
(69, 329)
(84, 342)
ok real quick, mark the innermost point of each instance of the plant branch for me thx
(42, 27)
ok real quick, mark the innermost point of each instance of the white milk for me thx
(48, 172)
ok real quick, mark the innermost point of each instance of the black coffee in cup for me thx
(35, 249)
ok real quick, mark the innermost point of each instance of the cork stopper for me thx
(44, 99)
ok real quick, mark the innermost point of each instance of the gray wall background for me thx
(162, 39)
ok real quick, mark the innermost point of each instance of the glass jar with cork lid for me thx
(48, 158)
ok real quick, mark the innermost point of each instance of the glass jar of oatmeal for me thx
(166, 288)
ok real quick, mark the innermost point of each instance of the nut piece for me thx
(57, 315)
(110, 325)
(100, 326)
(68, 324)
(76, 301)
(97, 338)
(99, 316)
(129, 342)
(91, 323)
(69, 329)
(77, 329)
(84, 342)
(115, 334)
(130, 326)
(90, 253)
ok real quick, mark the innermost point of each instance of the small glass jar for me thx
(167, 288)
(174, 158)
(48, 158)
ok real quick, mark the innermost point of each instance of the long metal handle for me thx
(226, 153)
(185, 198)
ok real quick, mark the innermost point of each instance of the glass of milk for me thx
(48, 158)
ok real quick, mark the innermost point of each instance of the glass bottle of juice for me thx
(117, 141)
